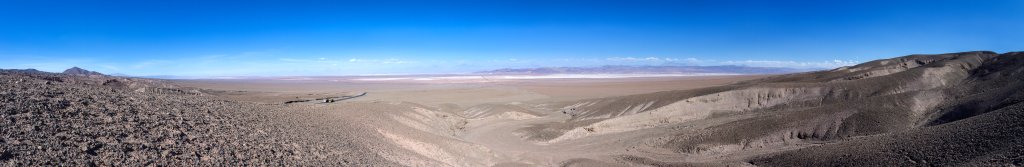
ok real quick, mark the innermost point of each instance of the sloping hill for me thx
(883, 97)
(980, 124)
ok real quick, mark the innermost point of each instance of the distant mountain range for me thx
(645, 70)
(528, 71)
(70, 71)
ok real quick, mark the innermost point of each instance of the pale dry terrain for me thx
(958, 109)
(455, 122)
(964, 106)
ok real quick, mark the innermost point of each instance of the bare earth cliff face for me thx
(921, 110)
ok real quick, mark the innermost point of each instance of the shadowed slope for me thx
(981, 125)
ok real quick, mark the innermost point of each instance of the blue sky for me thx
(272, 38)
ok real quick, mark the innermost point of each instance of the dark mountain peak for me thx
(80, 71)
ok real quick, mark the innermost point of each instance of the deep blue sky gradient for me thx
(229, 38)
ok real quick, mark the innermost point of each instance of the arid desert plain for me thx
(917, 110)
(460, 121)
(511, 83)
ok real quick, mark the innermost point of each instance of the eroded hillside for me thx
(874, 101)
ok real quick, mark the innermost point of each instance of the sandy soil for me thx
(441, 122)
(462, 92)
(780, 120)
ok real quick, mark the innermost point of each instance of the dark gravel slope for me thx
(992, 139)
(54, 119)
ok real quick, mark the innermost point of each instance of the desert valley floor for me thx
(461, 121)
(918, 110)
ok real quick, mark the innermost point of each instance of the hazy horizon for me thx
(267, 38)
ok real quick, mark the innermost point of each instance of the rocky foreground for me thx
(88, 119)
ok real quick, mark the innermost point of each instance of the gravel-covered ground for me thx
(56, 119)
